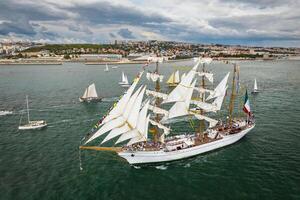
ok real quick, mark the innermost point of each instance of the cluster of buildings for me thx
(119, 51)
(14, 48)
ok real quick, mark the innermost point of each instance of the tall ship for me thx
(90, 94)
(140, 130)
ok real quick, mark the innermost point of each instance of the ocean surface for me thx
(46, 164)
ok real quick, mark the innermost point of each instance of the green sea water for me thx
(45, 164)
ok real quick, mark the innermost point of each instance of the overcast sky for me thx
(246, 22)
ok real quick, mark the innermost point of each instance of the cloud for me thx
(126, 33)
(252, 22)
(112, 35)
(20, 27)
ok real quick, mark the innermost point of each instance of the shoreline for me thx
(129, 62)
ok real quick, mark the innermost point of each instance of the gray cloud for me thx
(107, 13)
(220, 21)
(112, 35)
(20, 27)
(126, 33)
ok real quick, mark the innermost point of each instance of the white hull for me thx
(2, 113)
(33, 125)
(140, 157)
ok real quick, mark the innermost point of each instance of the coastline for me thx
(39, 62)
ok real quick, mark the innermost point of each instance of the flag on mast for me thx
(246, 108)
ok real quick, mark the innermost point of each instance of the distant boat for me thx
(174, 79)
(255, 89)
(32, 124)
(114, 67)
(124, 81)
(90, 94)
(5, 112)
(106, 68)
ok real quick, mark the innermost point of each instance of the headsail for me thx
(140, 130)
(114, 119)
(176, 77)
(92, 91)
(130, 116)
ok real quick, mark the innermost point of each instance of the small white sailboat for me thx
(90, 94)
(5, 112)
(124, 81)
(255, 89)
(106, 68)
(174, 79)
(32, 124)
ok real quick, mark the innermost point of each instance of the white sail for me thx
(203, 90)
(159, 125)
(255, 85)
(181, 108)
(156, 94)
(92, 91)
(134, 112)
(117, 123)
(219, 95)
(206, 60)
(154, 77)
(219, 90)
(158, 110)
(141, 126)
(212, 122)
(176, 77)
(130, 116)
(183, 75)
(116, 116)
(120, 106)
(209, 76)
(141, 138)
(85, 95)
(171, 79)
(123, 77)
(179, 92)
(106, 68)
(126, 80)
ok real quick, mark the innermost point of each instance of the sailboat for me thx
(255, 89)
(174, 79)
(32, 124)
(131, 120)
(124, 81)
(90, 94)
(106, 68)
(5, 112)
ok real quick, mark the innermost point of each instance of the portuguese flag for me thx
(246, 108)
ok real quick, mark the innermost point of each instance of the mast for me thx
(87, 94)
(27, 109)
(233, 94)
(157, 104)
(202, 98)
